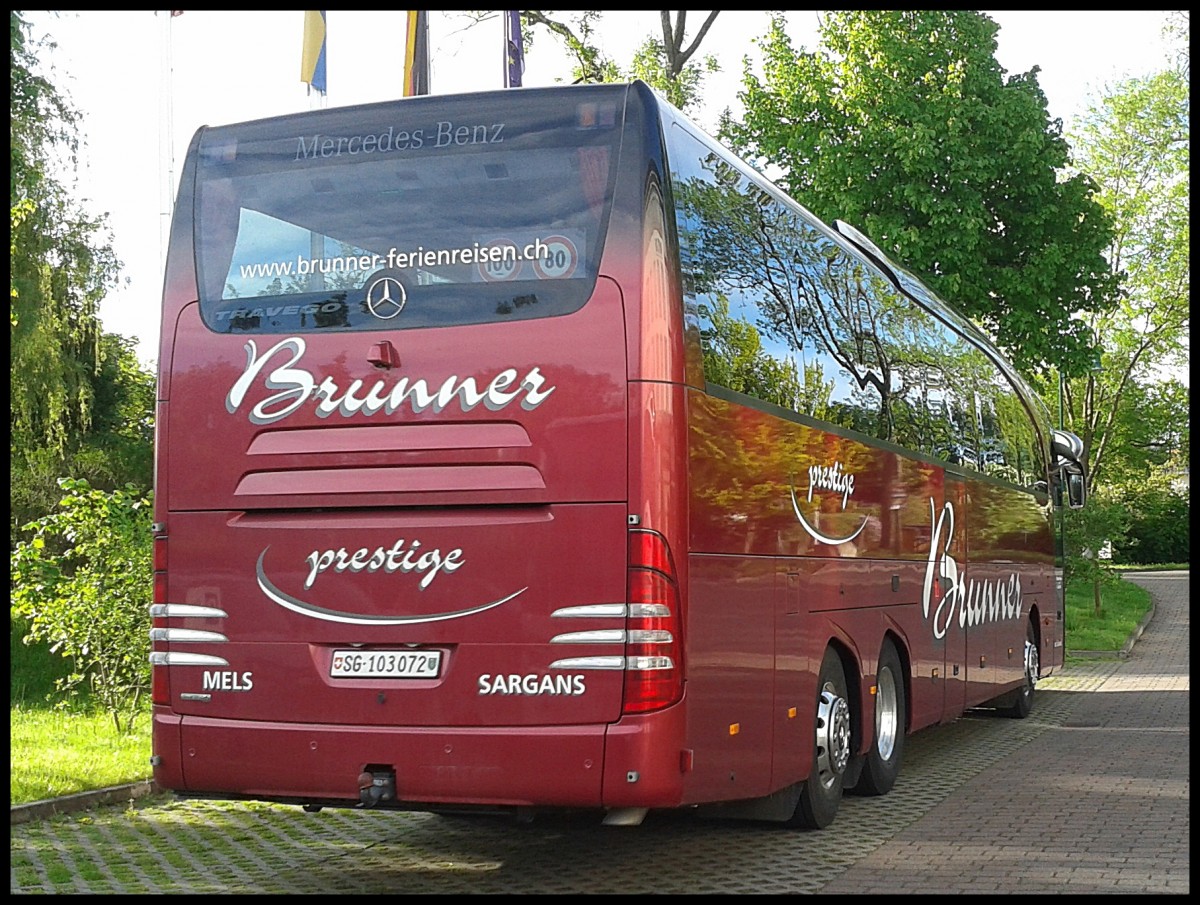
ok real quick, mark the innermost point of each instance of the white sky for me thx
(140, 113)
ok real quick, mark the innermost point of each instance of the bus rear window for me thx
(424, 212)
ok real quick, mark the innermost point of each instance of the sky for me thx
(145, 82)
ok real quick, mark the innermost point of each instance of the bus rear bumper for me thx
(526, 766)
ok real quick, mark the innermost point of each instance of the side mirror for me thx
(1067, 450)
(1066, 447)
(1076, 490)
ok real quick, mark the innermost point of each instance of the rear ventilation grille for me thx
(390, 479)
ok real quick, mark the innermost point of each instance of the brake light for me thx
(653, 636)
(160, 686)
(160, 690)
(160, 569)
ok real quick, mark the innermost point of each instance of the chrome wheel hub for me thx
(833, 737)
(887, 716)
(1032, 666)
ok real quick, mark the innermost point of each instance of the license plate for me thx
(385, 664)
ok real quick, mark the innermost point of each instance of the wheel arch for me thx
(1035, 618)
(852, 669)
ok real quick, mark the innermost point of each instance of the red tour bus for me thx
(528, 450)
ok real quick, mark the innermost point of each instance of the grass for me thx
(32, 669)
(1122, 606)
(57, 751)
(61, 752)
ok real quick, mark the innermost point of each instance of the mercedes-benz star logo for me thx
(386, 297)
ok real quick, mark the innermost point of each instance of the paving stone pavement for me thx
(1089, 794)
(1105, 804)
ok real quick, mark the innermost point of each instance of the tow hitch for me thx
(376, 784)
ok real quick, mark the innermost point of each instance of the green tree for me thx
(1148, 435)
(118, 448)
(665, 64)
(1134, 421)
(82, 583)
(1099, 527)
(1135, 143)
(905, 126)
(1178, 28)
(80, 403)
(591, 64)
(1159, 523)
(61, 264)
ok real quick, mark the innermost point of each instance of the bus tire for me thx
(1022, 701)
(822, 791)
(882, 764)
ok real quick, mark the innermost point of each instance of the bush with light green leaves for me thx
(83, 583)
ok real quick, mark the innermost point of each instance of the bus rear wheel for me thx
(822, 791)
(882, 764)
(1022, 701)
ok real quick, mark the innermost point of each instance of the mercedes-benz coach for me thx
(527, 450)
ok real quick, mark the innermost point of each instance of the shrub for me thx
(1087, 532)
(84, 582)
(1159, 526)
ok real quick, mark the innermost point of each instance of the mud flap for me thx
(775, 808)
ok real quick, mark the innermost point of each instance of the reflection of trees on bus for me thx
(788, 316)
(736, 359)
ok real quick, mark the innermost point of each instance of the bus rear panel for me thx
(394, 425)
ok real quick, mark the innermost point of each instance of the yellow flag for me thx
(312, 51)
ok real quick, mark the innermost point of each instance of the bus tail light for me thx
(160, 689)
(160, 686)
(160, 568)
(653, 639)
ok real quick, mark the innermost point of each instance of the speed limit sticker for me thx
(501, 268)
(559, 262)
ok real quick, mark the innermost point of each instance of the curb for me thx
(1137, 632)
(81, 801)
(1129, 642)
(1125, 648)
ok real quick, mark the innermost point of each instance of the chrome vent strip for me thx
(179, 658)
(590, 610)
(169, 610)
(185, 635)
(589, 663)
(599, 636)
